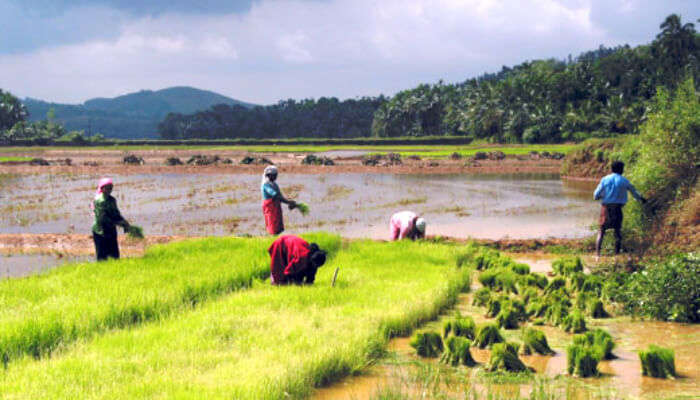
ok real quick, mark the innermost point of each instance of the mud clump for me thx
(488, 335)
(658, 362)
(39, 162)
(199, 159)
(427, 344)
(312, 159)
(248, 160)
(504, 357)
(457, 352)
(413, 157)
(455, 156)
(371, 159)
(172, 161)
(132, 159)
(535, 341)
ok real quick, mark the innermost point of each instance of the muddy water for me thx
(354, 205)
(18, 265)
(621, 377)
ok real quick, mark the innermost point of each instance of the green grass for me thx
(14, 159)
(437, 152)
(262, 343)
(41, 313)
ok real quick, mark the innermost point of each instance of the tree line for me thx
(602, 92)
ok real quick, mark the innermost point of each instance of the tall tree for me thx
(12, 110)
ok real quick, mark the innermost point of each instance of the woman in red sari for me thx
(272, 201)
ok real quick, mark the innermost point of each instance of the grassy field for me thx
(261, 343)
(43, 312)
(14, 159)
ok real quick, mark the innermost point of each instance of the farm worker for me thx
(107, 217)
(407, 224)
(612, 191)
(272, 199)
(294, 260)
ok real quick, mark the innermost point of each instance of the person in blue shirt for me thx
(612, 191)
(272, 201)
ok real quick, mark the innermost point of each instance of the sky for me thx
(263, 51)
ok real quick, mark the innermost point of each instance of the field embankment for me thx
(41, 313)
(262, 343)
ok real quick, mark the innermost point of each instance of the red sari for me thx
(289, 255)
(272, 210)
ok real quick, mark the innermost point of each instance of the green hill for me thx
(131, 116)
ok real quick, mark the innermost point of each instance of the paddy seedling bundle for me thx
(658, 362)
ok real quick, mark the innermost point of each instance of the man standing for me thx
(612, 189)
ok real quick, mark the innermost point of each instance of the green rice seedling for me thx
(303, 208)
(538, 321)
(658, 362)
(535, 341)
(267, 342)
(460, 326)
(507, 318)
(75, 301)
(457, 352)
(520, 268)
(467, 255)
(427, 344)
(499, 279)
(135, 232)
(487, 335)
(600, 341)
(494, 305)
(581, 300)
(529, 294)
(581, 361)
(566, 266)
(576, 281)
(532, 280)
(482, 297)
(504, 357)
(555, 284)
(595, 309)
(488, 258)
(593, 284)
(574, 322)
(556, 312)
(537, 308)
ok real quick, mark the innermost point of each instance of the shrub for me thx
(457, 352)
(658, 362)
(487, 335)
(535, 341)
(581, 361)
(567, 265)
(460, 326)
(504, 357)
(427, 344)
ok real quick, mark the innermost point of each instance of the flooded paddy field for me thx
(493, 206)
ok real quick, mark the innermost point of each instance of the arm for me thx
(112, 212)
(599, 192)
(635, 194)
(310, 275)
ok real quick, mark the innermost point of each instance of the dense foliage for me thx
(599, 93)
(322, 118)
(12, 110)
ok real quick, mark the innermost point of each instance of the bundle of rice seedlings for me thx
(600, 341)
(427, 344)
(595, 309)
(520, 269)
(576, 281)
(487, 259)
(556, 312)
(574, 322)
(482, 297)
(303, 208)
(460, 326)
(499, 279)
(487, 335)
(567, 265)
(538, 322)
(537, 308)
(555, 284)
(529, 294)
(593, 284)
(504, 357)
(493, 307)
(535, 341)
(134, 232)
(658, 362)
(507, 318)
(457, 352)
(581, 361)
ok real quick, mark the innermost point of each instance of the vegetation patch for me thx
(427, 344)
(535, 342)
(457, 352)
(460, 326)
(488, 335)
(581, 361)
(504, 357)
(658, 362)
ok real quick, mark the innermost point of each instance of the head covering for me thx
(420, 225)
(269, 170)
(103, 182)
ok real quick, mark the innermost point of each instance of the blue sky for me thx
(262, 51)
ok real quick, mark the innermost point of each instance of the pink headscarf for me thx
(103, 182)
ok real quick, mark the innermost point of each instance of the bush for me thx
(460, 326)
(487, 335)
(535, 341)
(457, 352)
(504, 357)
(427, 344)
(658, 362)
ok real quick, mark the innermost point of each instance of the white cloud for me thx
(346, 48)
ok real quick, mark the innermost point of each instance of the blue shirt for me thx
(269, 190)
(613, 190)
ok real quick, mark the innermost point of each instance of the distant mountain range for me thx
(131, 116)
